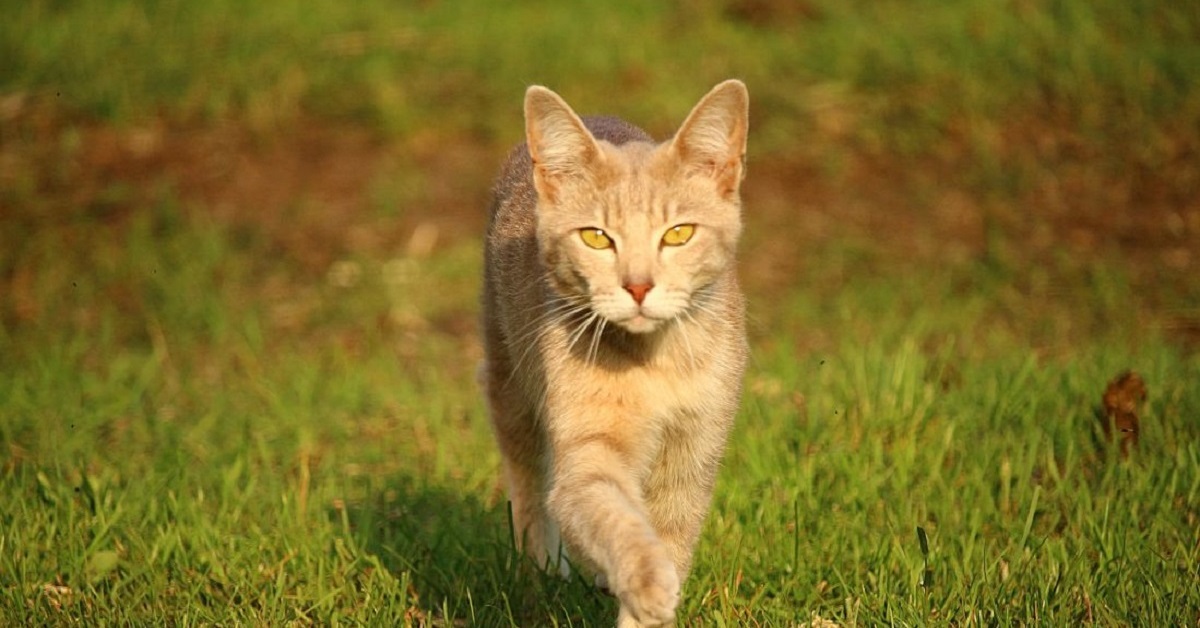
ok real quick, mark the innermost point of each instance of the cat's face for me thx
(639, 232)
(643, 244)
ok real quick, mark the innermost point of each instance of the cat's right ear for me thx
(559, 144)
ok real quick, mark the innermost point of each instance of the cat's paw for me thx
(649, 593)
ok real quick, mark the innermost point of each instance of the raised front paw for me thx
(649, 592)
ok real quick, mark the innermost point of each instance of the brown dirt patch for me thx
(319, 192)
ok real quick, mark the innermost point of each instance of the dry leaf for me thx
(1122, 399)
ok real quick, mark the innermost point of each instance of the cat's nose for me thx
(638, 291)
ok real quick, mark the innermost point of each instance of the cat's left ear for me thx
(712, 140)
(559, 144)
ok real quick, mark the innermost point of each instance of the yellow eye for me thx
(595, 238)
(678, 235)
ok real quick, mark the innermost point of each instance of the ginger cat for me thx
(614, 336)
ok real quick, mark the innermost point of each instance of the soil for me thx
(320, 192)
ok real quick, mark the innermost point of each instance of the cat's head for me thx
(641, 231)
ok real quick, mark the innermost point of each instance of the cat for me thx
(614, 338)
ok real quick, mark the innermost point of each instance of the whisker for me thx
(580, 331)
(594, 349)
(538, 324)
(709, 306)
(558, 314)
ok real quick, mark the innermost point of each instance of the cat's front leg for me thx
(598, 503)
(679, 488)
(650, 588)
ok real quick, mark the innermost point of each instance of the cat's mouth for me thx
(635, 319)
(640, 324)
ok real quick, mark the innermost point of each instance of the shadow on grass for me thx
(461, 561)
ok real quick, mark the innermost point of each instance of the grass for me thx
(910, 74)
(265, 413)
(180, 453)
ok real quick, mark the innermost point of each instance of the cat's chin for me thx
(640, 324)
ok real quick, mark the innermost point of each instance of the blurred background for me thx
(1010, 133)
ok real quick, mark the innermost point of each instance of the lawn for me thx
(239, 264)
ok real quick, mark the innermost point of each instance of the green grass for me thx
(237, 415)
(176, 449)
(908, 75)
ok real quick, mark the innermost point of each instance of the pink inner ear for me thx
(543, 182)
(727, 175)
(729, 178)
(560, 149)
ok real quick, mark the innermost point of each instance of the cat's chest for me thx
(673, 396)
(665, 390)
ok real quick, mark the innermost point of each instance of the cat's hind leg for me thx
(523, 451)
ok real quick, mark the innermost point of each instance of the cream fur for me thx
(612, 415)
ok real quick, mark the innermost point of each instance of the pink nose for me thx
(638, 291)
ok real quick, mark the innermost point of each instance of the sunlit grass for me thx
(209, 417)
(895, 76)
(199, 450)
